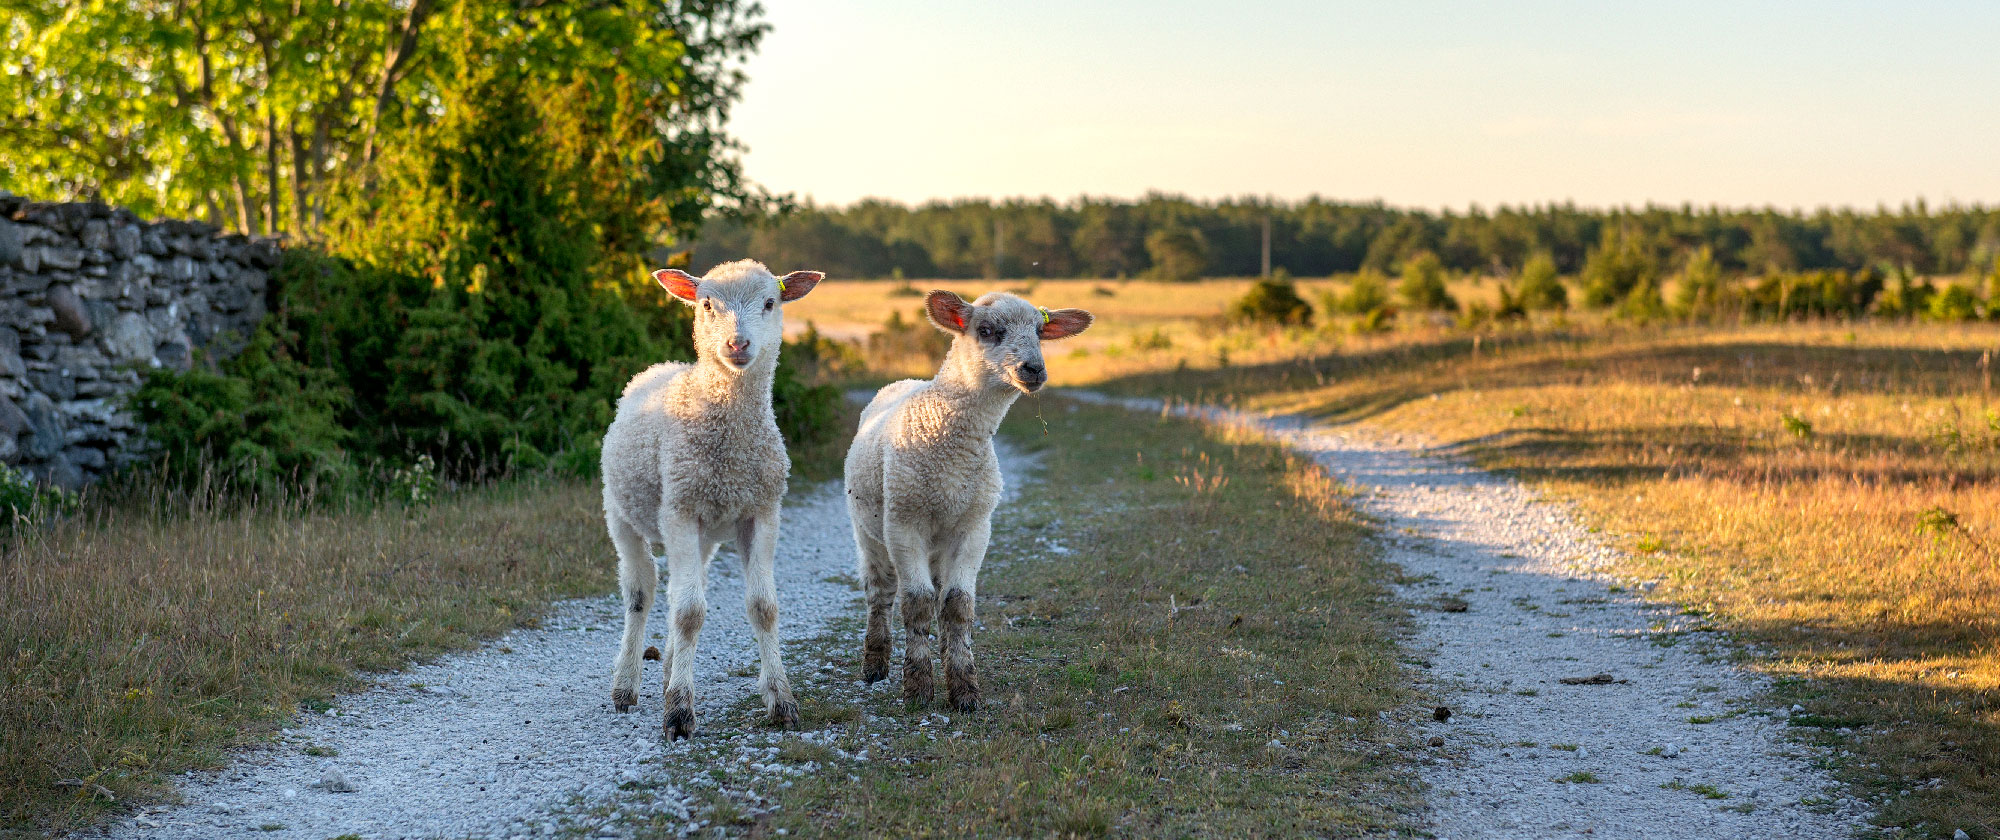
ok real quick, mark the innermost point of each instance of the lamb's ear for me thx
(678, 283)
(1063, 323)
(947, 310)
(798, 283)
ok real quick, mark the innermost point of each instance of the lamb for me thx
(922, 482)
(694, 458)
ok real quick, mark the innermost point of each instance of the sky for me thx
(1417, 104)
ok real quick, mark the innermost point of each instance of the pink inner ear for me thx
(947, 310)
(678, 283)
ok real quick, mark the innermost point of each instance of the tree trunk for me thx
(393, 64)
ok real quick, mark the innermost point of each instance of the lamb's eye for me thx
(706, 306)
(768, 303)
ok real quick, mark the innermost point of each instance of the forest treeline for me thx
(1176, 238)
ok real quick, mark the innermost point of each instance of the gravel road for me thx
(1512, 596)
(518, 739)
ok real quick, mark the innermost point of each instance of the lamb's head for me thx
(1006, 334)
(738, 317)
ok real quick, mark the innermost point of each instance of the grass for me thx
(138, 642)
(1826, 492)
(1206, 658)
(151, 634)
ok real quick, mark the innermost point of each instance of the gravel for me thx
(1678, 744)
(518, 738)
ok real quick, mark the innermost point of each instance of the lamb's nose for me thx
(1033, 371)
(738, 344)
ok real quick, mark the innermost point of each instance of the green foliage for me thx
(1957, 302)
(1702, 294)
(1422, 284)
(1643, 304)
(256, 114)
(1178, 253)
(23, 500)
(1826, 293)
(1368, 292)
(1378, 320)
(1541, 288)
(1274, 300)
(1619, 265)
(263, 422)
(1907, 298)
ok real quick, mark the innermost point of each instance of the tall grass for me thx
(161, 626)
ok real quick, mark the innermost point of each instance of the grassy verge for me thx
(140, 643)
(1182, 634)
(1830, 492)
(148, 636)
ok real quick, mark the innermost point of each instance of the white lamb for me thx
(694, 458)
(922, 482)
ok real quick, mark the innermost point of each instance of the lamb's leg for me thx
(687, 605)
(910, 554)
(879, 577)
(757, 542)
(638, 578)
(961, 578)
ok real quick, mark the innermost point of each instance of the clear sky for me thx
(1419, 104)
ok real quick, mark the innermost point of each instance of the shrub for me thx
(1368, 292)
(1702, 295)
(1540, 288)
(1643, 304)
(1956, 303)
(1617, 266)
(1422, 285)
(1275, 300)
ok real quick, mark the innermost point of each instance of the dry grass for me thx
(145, 639)
(1211, 594)
(1830, 491)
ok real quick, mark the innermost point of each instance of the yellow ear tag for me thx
(1045, 313)
(781, 285)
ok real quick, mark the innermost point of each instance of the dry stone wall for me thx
(90, 298)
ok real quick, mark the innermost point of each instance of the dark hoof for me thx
(965, 698)
(623, 699)
(680, 723)
(785, 714)
(875, 671)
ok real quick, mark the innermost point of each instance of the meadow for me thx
(1828, 491)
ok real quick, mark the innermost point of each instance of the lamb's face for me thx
(738, 309)
(1007, 332)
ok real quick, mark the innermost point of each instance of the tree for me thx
(1422, 285)
(252, 113)
(1274, 299)
(1178, 253)
(1540, 287)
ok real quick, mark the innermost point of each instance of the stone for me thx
(125, 241)
(10, 354)
(70, 314)
(96, 235)
(174, 354)
(62, 473)
(67, 259)
(12, 240)
(9, 450)
(88, 457)
(13, 421)
(45, 424)
(57, 384)
(129, 338)
(333, 781)
(154, 242)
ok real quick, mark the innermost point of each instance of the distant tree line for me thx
(1171, 237)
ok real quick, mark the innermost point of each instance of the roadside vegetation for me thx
(1183, 632)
